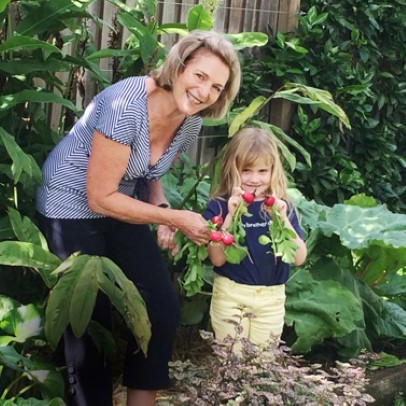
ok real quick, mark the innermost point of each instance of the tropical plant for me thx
(25, 368)
(353, 249)
(73, 285)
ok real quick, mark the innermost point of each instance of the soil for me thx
(385, 384)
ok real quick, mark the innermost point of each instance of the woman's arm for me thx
(165, 234)
(107, 164)
(156, 194)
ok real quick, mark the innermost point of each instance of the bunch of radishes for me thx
(280, 236)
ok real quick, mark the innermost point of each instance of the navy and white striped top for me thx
(120, 113)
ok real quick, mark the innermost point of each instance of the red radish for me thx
(248, 197)
(215, 236)
(269, 201)
(218, 220)
(227, 239)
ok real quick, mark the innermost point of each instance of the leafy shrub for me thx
(355, 50)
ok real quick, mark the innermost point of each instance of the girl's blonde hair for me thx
(183, 51)
(244, 149)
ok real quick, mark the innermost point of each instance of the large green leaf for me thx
(357, 227)
(382, 258)
(22, 162)
(353, 343)
(23, 322)
(107, 53)
(3, 5)
(32, 64)
(246, 114)
(12, 359)
(84, 296)
(6, 232)
(6, 304)
(150, 49)
(393, 321)
(320, 309)
(127, 300)
(173, 28)
(103, 339)
(34, 402)
(34, 96)
(73, 298)
(24, 42)
(51, 16)
(16, 253)
(173, 194)
(310, 95)
(91, 66)
(199, 18)
(57, 314)
(286, 139)
(280, 137)
(248, 39)
(25, 230)
(51, 383)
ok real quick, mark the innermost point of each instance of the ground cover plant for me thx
(270, 375)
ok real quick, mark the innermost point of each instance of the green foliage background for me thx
(354, 49)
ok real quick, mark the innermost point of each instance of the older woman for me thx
(101, 190)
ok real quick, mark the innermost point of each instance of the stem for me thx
(362, 272)
(23, 390)
(11, 384)
(203, 173)
(194, 187)
(15, 198)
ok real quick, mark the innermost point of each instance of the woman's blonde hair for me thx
(183, 51)
(244, 149)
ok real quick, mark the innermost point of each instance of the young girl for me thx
(251, 163)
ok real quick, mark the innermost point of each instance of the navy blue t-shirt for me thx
(259, 267)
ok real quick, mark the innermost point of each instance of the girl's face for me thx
(201, 82)
(256, 178)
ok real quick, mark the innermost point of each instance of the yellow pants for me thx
(267, 303)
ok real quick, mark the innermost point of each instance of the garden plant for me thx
(346, 152)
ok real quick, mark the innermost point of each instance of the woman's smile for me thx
(201, 82)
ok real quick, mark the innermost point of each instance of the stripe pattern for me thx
(120, 113)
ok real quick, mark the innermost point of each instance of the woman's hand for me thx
(166, 238)
(193, 225)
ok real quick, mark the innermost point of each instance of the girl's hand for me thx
(280, 204)
(234, 200)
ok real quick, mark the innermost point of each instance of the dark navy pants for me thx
(134, 249)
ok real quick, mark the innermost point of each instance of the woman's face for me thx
(256, 178)
(200, 84)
